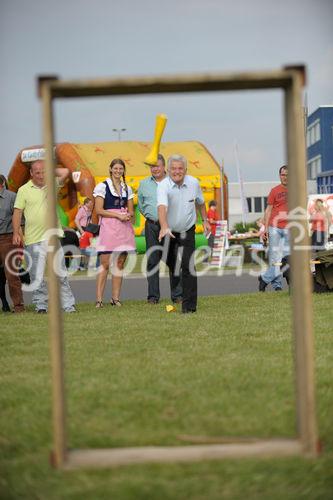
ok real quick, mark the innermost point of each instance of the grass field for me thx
(139, 376)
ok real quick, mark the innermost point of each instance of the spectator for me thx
(177, 198)
(212, 217)
(70, 244)
(276, 232)
(114, 205)
(10, 254)
(88, 249)
(147, 203)
(83, 215)
(320, 219)
(31, 201)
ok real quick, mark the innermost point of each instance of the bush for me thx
(244, 228)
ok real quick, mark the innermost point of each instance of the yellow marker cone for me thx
(170, 308)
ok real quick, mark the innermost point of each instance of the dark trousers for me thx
(183, 245)
(5, 305)
(152, 230)
(318, 240)
(71, 241)
(13, 280)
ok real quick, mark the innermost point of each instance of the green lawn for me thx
(138, 376)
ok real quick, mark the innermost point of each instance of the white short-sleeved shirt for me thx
(100, 190)
(180, 202)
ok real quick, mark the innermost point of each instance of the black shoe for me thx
(5, 307)
(115, 302)
(177, 300)
(152, 301)
(186, 311)
(41, 311)
(262, 284)
(278, 289)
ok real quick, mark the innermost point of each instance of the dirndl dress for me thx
(114, 235)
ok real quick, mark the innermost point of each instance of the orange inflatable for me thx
(91, 161)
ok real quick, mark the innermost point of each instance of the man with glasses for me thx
(276, 232)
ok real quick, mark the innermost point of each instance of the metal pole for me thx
(119, 131)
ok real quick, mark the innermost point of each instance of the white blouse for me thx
(100, 190)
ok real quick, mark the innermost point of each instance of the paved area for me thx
(135, 286)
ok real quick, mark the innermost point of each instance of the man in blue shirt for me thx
(178, 197)
(147, 202)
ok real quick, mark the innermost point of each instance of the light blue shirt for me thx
(180, 202)
(147, 198)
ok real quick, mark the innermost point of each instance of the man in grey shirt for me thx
(9, 254)
(178, 197)
(147, 203)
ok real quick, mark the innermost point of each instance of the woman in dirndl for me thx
(114, 206)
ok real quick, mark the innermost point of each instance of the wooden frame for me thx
(290, 80)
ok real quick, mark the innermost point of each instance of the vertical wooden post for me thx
(300, 268)
(54, 310)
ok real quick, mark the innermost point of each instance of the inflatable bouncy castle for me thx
(88, 164)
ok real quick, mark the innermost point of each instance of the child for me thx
(261, 233)
(85, 242)
(212, 217)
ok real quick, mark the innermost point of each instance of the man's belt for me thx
(155, 222)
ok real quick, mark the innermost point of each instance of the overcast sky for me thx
(103, 38)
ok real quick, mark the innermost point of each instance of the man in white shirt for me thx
(147, 203)
(178, 196)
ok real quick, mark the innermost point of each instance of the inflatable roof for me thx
(92, 161)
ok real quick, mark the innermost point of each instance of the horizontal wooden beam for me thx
(92, 458)
(202, 82)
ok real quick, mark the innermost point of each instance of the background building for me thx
(320, 148)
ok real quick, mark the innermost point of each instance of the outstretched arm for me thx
(163, 219)
(61, 173)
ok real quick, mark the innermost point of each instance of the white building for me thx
(256, 196)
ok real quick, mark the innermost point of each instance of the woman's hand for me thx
(124, 217)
